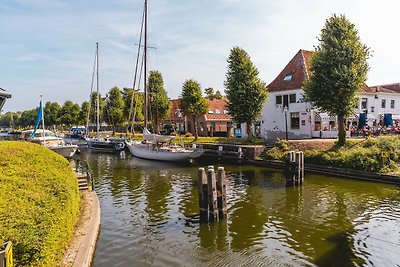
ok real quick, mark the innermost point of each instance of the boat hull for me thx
(105, 146)
(145, 151)
(67, 151)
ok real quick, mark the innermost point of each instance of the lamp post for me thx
(285, 110)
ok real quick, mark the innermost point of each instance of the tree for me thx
(210, 94)
(159, 104)
(28, 117)
(70, 113)
(192, 103)
(115, 107)
(134, 113)
(339, 69)
(93, 108)
(51, 114)
(83, 115)
(246, 93)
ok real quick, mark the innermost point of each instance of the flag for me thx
(39, 118)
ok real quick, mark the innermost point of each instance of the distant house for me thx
(286, 111)
(216, 122)
(4, 95)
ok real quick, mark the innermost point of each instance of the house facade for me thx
(216, 122)
(286, 113)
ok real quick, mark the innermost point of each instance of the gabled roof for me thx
(378, 88)
(393, 87)
(175, 114)
(294, 74)
(215, 106)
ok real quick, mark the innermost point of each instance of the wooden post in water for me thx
(212, 196)
(294, 168)
(203, 195)
(221, 189)
(300, 166)
(290, 167)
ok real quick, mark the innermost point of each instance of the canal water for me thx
(149, 217)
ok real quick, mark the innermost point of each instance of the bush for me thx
(39, 202)
(188, 135)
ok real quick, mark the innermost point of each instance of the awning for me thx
(322, 117)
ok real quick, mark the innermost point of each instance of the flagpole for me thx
(41, 105)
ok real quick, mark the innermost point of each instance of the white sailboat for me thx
(155, 146)
(48, 138)
(102, 144)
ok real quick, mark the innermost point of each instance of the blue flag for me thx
(39, 118)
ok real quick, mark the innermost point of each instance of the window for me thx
(292, 98)
(288, 77)
(210, 111)
(372, 109)
(294, 120)
(217, 111)
(286, 101)
(383, 103)
(278, 100)
(391, 103)
(363, 103)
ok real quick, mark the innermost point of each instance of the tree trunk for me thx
(196, 135)
(342, 131)
(249, 133)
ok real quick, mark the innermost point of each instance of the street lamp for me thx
(285, 109)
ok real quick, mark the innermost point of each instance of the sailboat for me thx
(155, 146)
(102, 144)
(48, 138)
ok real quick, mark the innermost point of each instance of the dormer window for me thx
(217, 111)
(288, 77)
(210, 111)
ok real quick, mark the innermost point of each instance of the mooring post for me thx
(212, 196)
(290, 167)
(203, 195)
(221, 188)
(300, 166)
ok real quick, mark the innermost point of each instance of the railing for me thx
(81, 166)
(6, 257)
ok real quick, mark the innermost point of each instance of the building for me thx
(216, 122)
(287, 113)
(4, 95)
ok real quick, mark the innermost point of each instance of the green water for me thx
(150, 218)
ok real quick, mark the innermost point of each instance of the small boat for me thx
(50, 140)
(76, 137)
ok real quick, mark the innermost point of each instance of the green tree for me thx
(115, 107)
(93, 108)
(192, 103)
(51, 114)
(70, 113)
(218, 95)
(246, 93)
(339, 69)
(159, 104)
(134, 98)
(210, 94)
(28, 118)
(83, 115)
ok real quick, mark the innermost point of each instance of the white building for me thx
(286, 112)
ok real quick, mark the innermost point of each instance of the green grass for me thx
(39, 202)
(365, 155)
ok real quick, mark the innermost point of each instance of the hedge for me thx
(39, 202)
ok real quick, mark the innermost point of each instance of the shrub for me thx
(39, 202)
(188, 135)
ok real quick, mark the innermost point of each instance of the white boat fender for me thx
(121, 145)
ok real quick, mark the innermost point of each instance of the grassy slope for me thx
(363, 154)
(39, 202)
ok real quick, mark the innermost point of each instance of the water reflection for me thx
(150, 217)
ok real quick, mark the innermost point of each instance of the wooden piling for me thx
(203, 195)
(212, 196)
(221, 189)
(300, 166)
(294, 167)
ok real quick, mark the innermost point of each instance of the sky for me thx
(47, 47)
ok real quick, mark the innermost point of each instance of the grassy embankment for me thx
(366, 155)
(39, 203)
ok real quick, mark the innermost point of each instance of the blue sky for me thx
(47, 46)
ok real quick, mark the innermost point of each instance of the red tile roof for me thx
(297, 67)
(393, 87)
(378, 88)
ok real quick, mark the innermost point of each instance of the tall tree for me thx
(339, 69)
(52, 113)
(134, 98)
(93, 107)
(192, 103)
(246, 93)
(28, 117)
(210, 94)
(159, 104)
(115, 107)
(69, 113)
(83, 115)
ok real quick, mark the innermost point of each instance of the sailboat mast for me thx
(97, 84)
(145, 64)
(41, 106)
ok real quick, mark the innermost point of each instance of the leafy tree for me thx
(6, 119)
(246, 93)
(51, 114)
(83, 116)
(134, 98)
(114, 107)
(70, 113)
(93, 107)
(210, 94)
(159, 104)
(339, 66)
(192, 103)
(28, 118)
